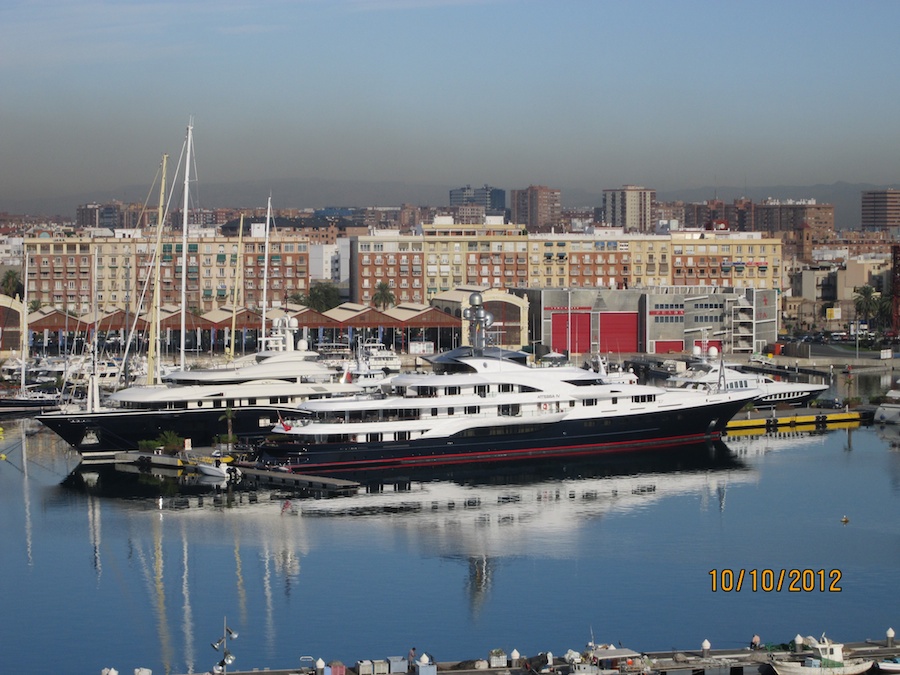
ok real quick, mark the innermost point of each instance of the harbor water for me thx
(103, 568)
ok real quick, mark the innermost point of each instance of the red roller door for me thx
(667, 346)
(581, 332)
(618, 332)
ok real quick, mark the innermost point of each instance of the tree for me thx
(11, 284)
(383, 295)
(228, 418)
(171, 442)
(865, 301)
(322, 296)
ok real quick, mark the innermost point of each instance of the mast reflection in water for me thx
(122, 568)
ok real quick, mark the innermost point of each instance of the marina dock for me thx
(708, 661)
(808, 419)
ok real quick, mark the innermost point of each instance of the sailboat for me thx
(27, 401)
(255, 397)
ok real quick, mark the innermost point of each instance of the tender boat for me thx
(888, 411)
(827, 659)
(487, 405)
(889, 665)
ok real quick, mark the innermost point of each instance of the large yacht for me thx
(487, 405)
(705, 374)
(195, 404)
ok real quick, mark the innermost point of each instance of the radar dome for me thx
(713, 352)
(696, 350)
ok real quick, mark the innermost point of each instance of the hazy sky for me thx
(569, 93)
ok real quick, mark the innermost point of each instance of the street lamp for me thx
(227, 656)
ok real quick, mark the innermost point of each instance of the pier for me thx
(611, 660)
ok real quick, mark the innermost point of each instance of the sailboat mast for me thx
(238, 281)
(154, 303)
(24, 321)
(265, 275)
(184, 230)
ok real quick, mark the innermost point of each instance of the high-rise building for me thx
(774, 216)
(630, 207)
(880, 209)
(538, 207)
(492, 199)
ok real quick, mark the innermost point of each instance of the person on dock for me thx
(411, 658)
(754, 642)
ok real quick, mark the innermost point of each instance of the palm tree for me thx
(171, 442)
(383, 295)
(865, 301)
(11, 284)
(321, 297)
(228, 418)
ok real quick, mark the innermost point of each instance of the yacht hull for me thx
(107, 430)
(525, 442)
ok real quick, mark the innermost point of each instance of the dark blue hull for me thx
(109, 431)
(526, 442)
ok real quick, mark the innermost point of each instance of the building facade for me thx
(630, 207)
(496, 255)
(880, 209)
(78, 273)
(492, 199)
(537, 207)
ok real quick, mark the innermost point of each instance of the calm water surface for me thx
(115, 576)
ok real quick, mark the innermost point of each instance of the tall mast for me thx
(238, 280)
(24, 321)
(184, 230)
(265, 274)
(154, 303)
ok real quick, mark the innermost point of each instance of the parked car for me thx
(832, 403)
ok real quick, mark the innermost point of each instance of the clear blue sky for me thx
(576, 94)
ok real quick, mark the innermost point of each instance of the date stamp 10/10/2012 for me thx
(730, 580)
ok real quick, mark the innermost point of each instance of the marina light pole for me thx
(227, 656)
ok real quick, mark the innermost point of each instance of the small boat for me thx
(889, 665)
(217, 469)
(827, 659)
(888, 412)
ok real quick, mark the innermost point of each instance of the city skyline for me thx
(427, 95)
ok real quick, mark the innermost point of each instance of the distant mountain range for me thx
(318, 193)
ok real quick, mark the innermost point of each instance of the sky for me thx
(575, 94)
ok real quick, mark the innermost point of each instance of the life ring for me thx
(545, 406)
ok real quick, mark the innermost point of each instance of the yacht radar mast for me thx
(479, 321)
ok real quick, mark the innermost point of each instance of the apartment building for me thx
(447, 255)
(880, 209)
(538, 207)
(78, 273)
(631, 207)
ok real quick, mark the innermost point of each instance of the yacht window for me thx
(472, 410)
(506, 388)
(481, 390)
(452, 391)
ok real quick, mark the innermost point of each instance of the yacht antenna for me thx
(479, 321)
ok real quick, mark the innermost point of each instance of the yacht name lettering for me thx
(769, 580)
